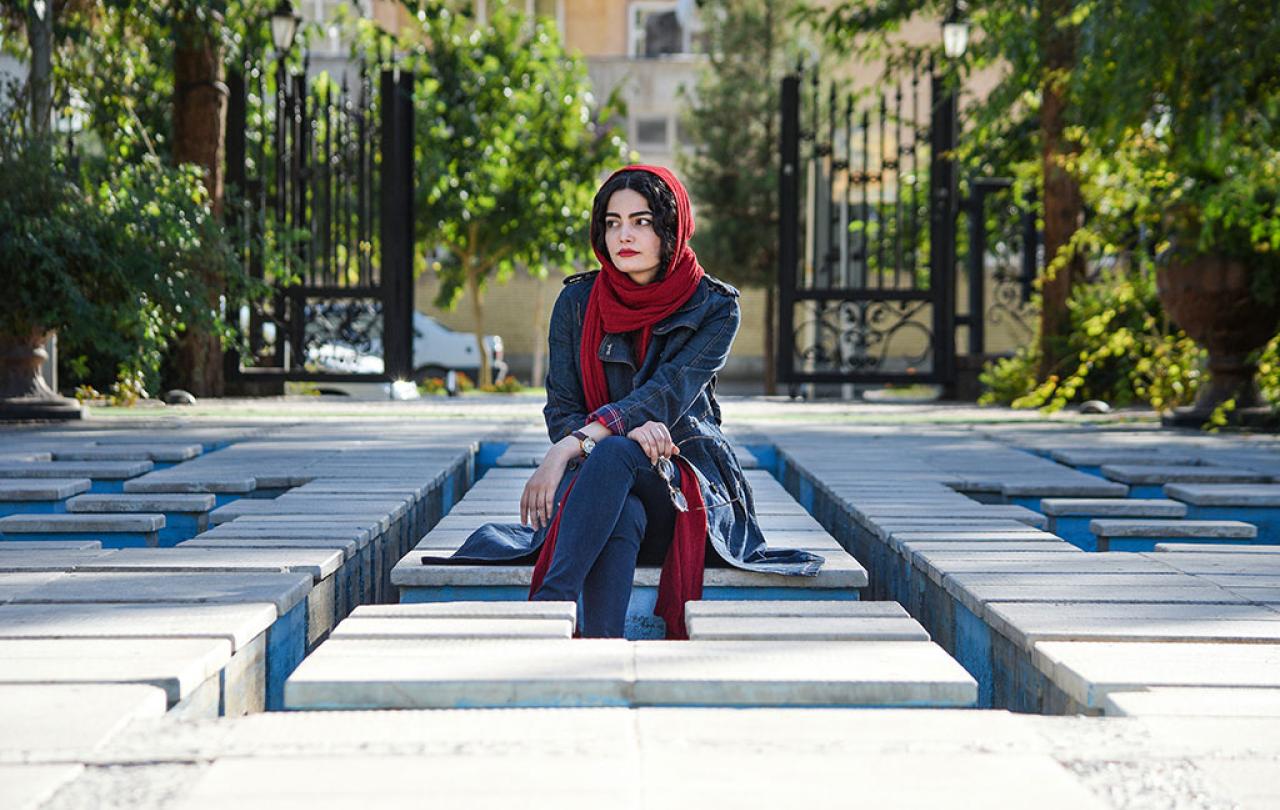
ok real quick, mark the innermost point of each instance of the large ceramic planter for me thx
(23, 392)
(1211, 299)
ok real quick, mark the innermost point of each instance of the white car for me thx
(437, 350)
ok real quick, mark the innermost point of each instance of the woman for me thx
(638, 470)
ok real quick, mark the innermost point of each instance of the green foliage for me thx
(509, 144)
(109, 256)
(1122, 349)
(732, 120)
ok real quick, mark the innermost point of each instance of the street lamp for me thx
(284, 25)
(955, 34)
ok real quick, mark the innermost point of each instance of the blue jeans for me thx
(619, 512)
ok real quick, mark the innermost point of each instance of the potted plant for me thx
(108, 255)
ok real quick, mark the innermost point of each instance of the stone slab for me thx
(1096, 457)
(1233, 529)
(1071, 591)
(97, 470)
(1173, 701)
(1216, 548)
(463, 674)
(27, 787)
(318, 563)
(65, 523)
(1251, 495)
(1221, 564)
(436, 627)
(15, 584)
(1026, 623)
(1090, 670)
(50, 545)
(803, 673)
(47, 720)
(1113, 507)
(142, 502)
(224, 485)
(472, 610)
(236, 623)
(282, 590)
(20, 556)
(1156, 474)
(1084, 487)
(42, 489)
(155, 452)
(348, 547)
(706, 608)
(806, 628)
(178, 666)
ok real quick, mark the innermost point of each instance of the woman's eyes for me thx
(613, 223)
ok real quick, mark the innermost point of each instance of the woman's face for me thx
(634, 246)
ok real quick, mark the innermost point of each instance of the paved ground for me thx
(943, 505)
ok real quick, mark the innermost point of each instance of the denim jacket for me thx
(675, 386)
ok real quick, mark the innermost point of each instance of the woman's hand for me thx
(655, 440)
(538, 498)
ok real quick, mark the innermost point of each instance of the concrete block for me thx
(27, 787)
(20, 556)
(15, 584)
(142, 502)
(178, 666)
(806, 628)
(1251, 495)
(1160, 474)
(1232, 529)
(472, 610)
(42, 489)
(96, 470)
(1088, 671)
(463, 674)
(219, 485)
(50, 545)
(284, 591)
(164, 452)
(70, 524)
(68, 720)
(799, 673)
(236, 623)
(1113, 507)
(433, 627)
(1177, 701)
(318, 563)
(1025, 623)
(798, 608)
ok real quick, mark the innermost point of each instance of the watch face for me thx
(588, 444)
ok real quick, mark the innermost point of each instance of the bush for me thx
(507, 385)
(1123, 349)
(109, 255)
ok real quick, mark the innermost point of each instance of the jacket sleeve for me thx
(566, 408)
(676, 383)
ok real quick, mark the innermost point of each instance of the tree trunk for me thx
(40, 80)
(199, 130)
(1063, 204)
(477, 312)
(539, 335)
(770, 340)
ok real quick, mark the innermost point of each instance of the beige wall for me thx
(596, 27)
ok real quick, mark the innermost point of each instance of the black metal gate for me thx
(868, 254)
(321, 172)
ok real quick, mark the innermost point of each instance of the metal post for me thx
(943, 190)
(238, 214)
(977, 204)
(1030, 246)
(397, 223)
(788, 226)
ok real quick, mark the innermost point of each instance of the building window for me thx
(661, 28)
(651, 133)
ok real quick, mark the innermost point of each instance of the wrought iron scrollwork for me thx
(865, 337)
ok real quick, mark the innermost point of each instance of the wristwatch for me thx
(588, 443)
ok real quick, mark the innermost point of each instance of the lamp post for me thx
(944, 188)
(284, 26)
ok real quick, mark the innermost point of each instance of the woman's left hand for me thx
(655, 440)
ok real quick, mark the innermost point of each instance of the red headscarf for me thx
(617, 305)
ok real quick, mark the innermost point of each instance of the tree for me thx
(508, 152)
(733, 170)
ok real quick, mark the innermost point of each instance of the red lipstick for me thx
(628, 252)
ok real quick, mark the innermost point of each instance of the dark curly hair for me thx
(662, 202)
